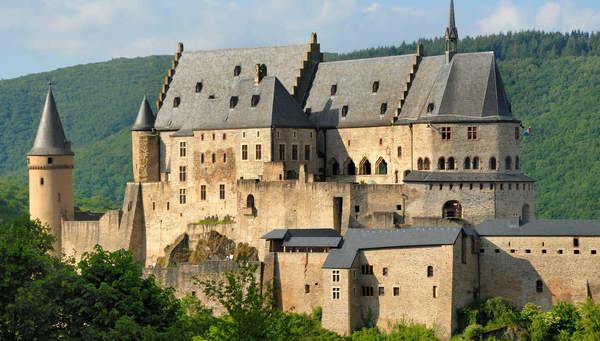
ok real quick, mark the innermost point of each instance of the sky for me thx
(42, 35)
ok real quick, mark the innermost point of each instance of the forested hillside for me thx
(553, 81)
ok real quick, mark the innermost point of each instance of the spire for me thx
(145, 117)
(50, 138)
(451, 35)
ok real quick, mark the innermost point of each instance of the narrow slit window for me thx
(333, 89)
(233, 102)
(254, 101)
(176, 102)
(383, 109)
(198, 87)
(375, 86)
(344, 111)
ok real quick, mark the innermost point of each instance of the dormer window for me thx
(333, 89)
(237, 70)
(233, 102)
(254, 100)
(176, 102)
(211, 96)
(430, 107)
(344, 111)
(198, 87)
(375, 86)
(383, 109)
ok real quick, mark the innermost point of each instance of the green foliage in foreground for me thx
(496, 319)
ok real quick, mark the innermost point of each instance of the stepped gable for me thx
(215, 71)
(468, 88)
(145, 118)
(50, 138)
(354, 80)
(275, 108)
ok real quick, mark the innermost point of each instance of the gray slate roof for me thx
(305, 237)
(215, 70)
(145, 118)
(50, 138)
(513, 227)
(275, 108)
(452, 176)
(367, 239)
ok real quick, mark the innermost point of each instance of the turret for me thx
(144, 145)
(50, 164)
(451, 36)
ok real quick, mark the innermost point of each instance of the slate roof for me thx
(369, 239)
(275, 108)
(452, 176)
(145, 118)
(215, 70)
(513, 227)
(50, 138)
(305, 237)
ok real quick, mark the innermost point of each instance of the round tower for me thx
(144, 146)
(50, 164)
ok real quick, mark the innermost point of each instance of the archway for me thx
(450, 163)
(452, 210)
(420, 164)
(426, 164)
(441, 163)
(350, 167)
(381, 166)
(334, 166)
(365, 167)
(467, 163)
(250, 201)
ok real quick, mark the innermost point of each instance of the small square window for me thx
(593, 252)
(345, 111)
(375, 87)
(398, 207)
(356, 208)
(512, 250)
(481, 250)
(50, 160)
(381, 291)
(176, 102)
(396, 291)
(527, 251)
(560, 252)
(576, 252)
(384, 271)
(544, 251)
(198, 87)
(307, 288)
(497, 250)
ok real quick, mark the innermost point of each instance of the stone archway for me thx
(452, 210)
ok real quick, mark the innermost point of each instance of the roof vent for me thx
(345, 111)
(383, 109)
(198, 87)
(254, 101)
(237, 70)
(176, 102)
(233, 102)
(375, 86)
(333, 89)
(430, 107)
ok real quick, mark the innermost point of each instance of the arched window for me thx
(426, 164)
(452, 210)
(492, 163)
(350, 167)
(525, 214)
(508, 163)
(450, 163)
(335, 167)
(476, 162)
(420, 164)
(517, 163)
(381, 166)
(250, 201)
(467, 163)
(441, 163)
(365, 167)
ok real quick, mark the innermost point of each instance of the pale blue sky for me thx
(42, 35)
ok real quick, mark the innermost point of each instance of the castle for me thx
(380, 189)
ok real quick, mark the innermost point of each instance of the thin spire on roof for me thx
(50, 138)
(145, 118)
(451, 35)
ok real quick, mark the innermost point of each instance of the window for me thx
(430, 107)
(367, 291)
(182, 173)
(224, 157)
(214, 157)
(237, 70)
(168, 205)
(493, 163)
(202, 158)
(426, 164)
(593, 252)
(233, 101)
(575, 242)
(384, 271)
(202, 192)
(435, 291)
(517, 163)
(42, 181)
(381, 142)
(344, 111)
(336, 293)
(333, 89)
(441, 163)
(381, 167)
(539, 286)
(58, 197)
(201, 137)
(430, 271)
(375, 87)
(182, 149)
(213, 136)
(396, 291)
(282, 152)
(244, 152)
(472, 133)
(176, 102)
(182, 196)
(383, 108)
(258, 152)
(306, 288)
(222, 192)
(450, 163)
(508, 163)
(224, 136)
(420, 164)
(366, 269)
(399, 151)
(294, 152)
(335, 276)
(517, 133)
(446, 133)
(254, 101)
(308, 111)
(365, 167)
(306, 152)
(381, 291)
(476, 162)
(467, 163)
(198, 87)
(50, 160)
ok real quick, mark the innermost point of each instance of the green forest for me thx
(552, 79)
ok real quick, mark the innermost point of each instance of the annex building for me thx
(380, 189)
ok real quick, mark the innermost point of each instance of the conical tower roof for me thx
(50, 138)
(145, 117)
